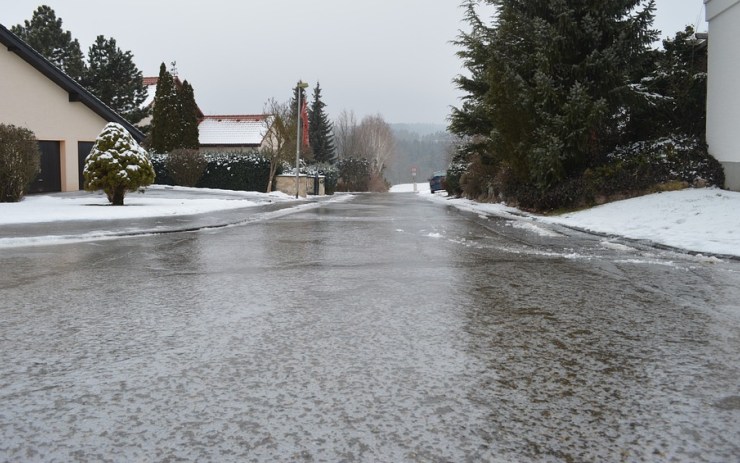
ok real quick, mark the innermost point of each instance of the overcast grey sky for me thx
(391, 57)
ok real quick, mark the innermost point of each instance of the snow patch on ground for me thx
(533, 228)
(158, 201)
(409, 188)
(37, 209)
(704, 220)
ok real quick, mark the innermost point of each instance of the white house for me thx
(233, 132)
(65, 117)
(226, 133)
(723, 87)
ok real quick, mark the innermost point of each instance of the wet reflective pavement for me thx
(387, 328)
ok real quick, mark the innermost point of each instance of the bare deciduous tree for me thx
(376, 142)
(280, 139)
(345, 135)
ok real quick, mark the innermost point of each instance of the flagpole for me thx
(300, 86)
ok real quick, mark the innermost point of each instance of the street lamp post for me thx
(300, 86)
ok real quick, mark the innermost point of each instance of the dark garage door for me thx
(83, 149)
(49, 179)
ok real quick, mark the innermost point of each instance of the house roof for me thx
(77, 93)
(151, 90)
(233, 130)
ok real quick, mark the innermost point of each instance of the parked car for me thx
(437, 182)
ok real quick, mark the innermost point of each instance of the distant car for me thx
(437, 182)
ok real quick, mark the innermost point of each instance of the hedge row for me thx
(227, 171)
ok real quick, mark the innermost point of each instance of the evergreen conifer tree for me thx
(188, 111)
(552, 80)
(675, 89)
(113, 77)
(320, 132)
(473, 118)
(306, 152)
(165, 115)
(117, 164)
(45, 34)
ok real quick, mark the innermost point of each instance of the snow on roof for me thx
(151, 89)
(238, 130)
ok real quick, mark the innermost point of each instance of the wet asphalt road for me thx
(387, 328)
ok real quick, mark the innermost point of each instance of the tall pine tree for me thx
(188, 111)
(175, 115)
(113, 77)
(675, 89)
(320, 132)
(552, 79)
(165, 114)
(306, 152)
(473, 120)
(45, 34)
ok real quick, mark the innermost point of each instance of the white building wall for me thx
(723, 87)
(29, 99)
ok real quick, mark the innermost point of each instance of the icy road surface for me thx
(387, 328)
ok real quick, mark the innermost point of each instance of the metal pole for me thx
(298, 140)
(300, 86)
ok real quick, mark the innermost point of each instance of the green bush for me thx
(162, 173)
(455, 171)
(186, 166)
(226, 171)
(19, 162)
(236, 171)
(677, 158)
(628, 171)
(354, 174)
(117, 164)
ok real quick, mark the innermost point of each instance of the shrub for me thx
(628, 171)
(643, 165)
(19, 162)
(354, 174)
(117, 164)
(186, 166)
(236, 171)
(226, 171)
(455, 171)
(378, 184)
(162, 173)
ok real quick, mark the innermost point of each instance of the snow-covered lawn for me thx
(701, 220)
(52, 208)
(704, 220)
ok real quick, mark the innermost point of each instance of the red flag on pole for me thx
(304, 122)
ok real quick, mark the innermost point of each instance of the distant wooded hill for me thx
(424, 146)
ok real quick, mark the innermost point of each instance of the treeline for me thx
(427, 153)
(567, 104)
